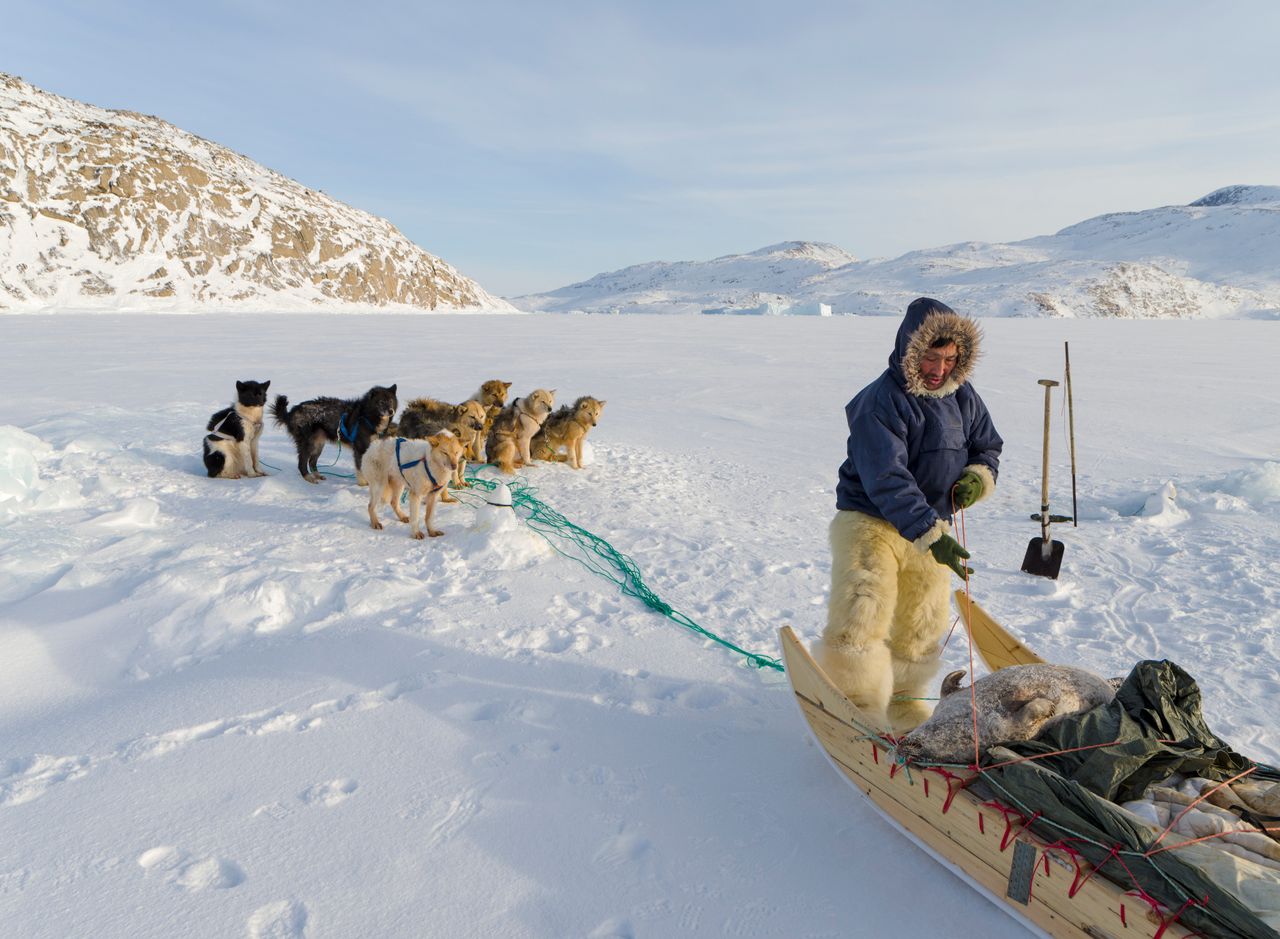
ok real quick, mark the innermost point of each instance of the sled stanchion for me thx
(1044, 557)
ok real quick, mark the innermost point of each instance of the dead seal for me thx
(1014, 703)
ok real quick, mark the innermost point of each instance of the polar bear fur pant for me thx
(888, 610)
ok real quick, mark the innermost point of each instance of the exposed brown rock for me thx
(87, 193)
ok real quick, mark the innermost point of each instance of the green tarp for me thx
(1152, 729)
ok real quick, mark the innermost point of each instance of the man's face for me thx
(937, 364)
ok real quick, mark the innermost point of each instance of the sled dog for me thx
(353, 421)
(508, 443)
(566, 428)
(492, 393)
(231, 446)
(493, 396)
(392, 463)
(423, 417)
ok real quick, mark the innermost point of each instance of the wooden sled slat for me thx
(975, 841)
(996, 646)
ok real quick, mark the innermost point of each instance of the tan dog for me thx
(508, 443)
(493, 396)
(423, 417)
(492, 392)
(566, 428)
(392, 463)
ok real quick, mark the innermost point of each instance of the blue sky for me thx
(532, 145)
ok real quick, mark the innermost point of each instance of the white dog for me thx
(424, 466)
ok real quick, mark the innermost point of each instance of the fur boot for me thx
(885, 617)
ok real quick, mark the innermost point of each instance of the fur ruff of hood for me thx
(941, 323)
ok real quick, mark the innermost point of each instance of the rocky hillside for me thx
(113, 210)
(1218, 256)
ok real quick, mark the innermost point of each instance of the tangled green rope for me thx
(600, 557)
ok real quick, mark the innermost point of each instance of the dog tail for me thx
(280, 411)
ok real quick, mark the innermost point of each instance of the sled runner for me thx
(1050, 889)
(997, 647)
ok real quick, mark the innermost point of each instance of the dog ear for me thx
(392, 389)
(506, 384)
(266, 384)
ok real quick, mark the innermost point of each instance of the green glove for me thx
(946, 550)
(967, 490)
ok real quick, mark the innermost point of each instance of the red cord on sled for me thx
(1009, 834)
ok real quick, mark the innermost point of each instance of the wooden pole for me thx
(1049, 384)
(1071, 424)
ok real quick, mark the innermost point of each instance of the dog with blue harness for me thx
(352, 422)
(423, 466)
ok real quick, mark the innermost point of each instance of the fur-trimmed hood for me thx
(908, 445)
(926, 322)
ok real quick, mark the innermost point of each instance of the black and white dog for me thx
(231, 446)
(353, 421)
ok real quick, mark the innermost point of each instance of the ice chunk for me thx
(19, 467)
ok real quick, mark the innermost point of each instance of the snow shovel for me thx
(1044, 557)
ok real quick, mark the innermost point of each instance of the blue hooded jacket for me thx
(908, 444)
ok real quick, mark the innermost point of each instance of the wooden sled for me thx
(1045, 888)
(995, 645)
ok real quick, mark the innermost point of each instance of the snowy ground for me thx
(232, 709)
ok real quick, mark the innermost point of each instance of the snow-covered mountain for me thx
(113, 210)
(778, 272)
(1218, 256)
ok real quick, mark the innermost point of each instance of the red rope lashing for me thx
(950, 777)
(1077, 883)
(1075, 856)
(1183, 844)
(973, 695)
(1137, 891)
(1190, 901)
(1009, 834)
(1041, 756)
(954, 623)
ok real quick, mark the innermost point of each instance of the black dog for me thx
(231, 444)
(354, 421)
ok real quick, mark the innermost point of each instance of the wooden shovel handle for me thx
(1049, 384)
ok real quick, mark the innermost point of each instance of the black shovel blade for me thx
(1040, 562)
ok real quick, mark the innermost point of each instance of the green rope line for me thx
(601, 558)
(327, 466)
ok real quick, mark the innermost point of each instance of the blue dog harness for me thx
(435, 486)
(350, 435)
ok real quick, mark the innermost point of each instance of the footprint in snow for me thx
(622, 849)
(284, 919)
(175, 866)
(328, 793)
(475, 711)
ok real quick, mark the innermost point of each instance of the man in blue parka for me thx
(921, 444)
